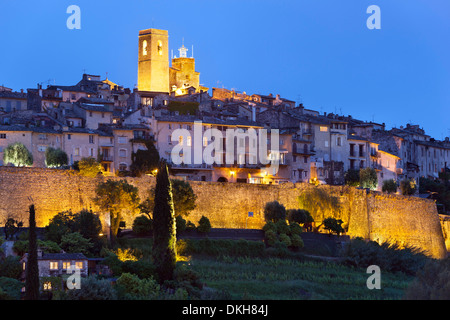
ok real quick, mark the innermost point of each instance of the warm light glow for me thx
(232, 173)
(125, 255)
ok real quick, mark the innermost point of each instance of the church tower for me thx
(153, 65)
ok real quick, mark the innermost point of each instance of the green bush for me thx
(282, 227)
(270, 226)
(92, 289)
(333, 225)
(389, 186)
(274, 211)
(131, 287)
(204, 226)
(408, 187)
(142, 225)
(10, 288)
(284, 239)
(11, 267)
(271, 237)
(180, 223)
(299, 215)
(389, 257)
(295, 229)
(297, 241)
(432, 282)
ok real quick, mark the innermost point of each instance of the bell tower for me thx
(153, 64)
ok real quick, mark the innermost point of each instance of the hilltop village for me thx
(98, 118)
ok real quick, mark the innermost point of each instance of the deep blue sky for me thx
(319, 52)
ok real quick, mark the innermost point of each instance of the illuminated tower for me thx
(153, 66)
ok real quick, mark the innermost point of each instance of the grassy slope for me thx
(286, 279)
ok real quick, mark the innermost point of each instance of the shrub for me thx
(431, 283)
(389, 186)
(270, 226)
(92, 289)
(389, 257)
(271, 237)
(351, 178)
(142, 225)
(297, 241)
(131, 287)
(408, 187)
(333, 225)
(299, 216)
(204, 226)
(180, 223)
(274, 211)
(295, 229)
(368, 178)
(282, 227)
(55, 158)
(10, 288)
(190, 226)
(89, 167)
(11, 267)
(285, 240)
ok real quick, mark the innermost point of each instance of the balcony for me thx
(190, 166)
(107, 158)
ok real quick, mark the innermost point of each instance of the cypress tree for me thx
(32, 269)
(164, 227)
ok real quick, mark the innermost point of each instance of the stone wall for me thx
(406, 220)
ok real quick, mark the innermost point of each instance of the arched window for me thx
(144, 47)
(160, 47)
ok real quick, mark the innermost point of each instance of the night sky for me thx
(318, 52)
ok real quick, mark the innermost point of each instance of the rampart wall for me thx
(370, 215)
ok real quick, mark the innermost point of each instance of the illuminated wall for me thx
(406, 220)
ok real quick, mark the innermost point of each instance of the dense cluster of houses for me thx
(100, 119)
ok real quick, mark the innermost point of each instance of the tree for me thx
(183, 197)
(368, 178)
(274, 211)
(333, 225)
(164, 227)
(32, 269)
(351, 178)
(299, 215)
(408, 187)
(59, 225)
(204, 226)
(117, 198)
(55, 158)
(75, 243)
(11, 227)
(18, 155)
(89, 167)
(145, 161)
(389, 186)
(142, 225)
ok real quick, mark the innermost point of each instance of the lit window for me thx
(77, 151)
(160, 52)
(189, 141)
(323, 129)
(53, 265)
(205, 141)
(66, 265)
(180, 140)
(47, 285)
(79, 264)
(144, 47)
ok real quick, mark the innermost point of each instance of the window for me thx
(76, 152)
(205, 141)
(144, 47)
(169, 139)
(189, 141)
(91, 152)
(42, 148)
(170, 126)
(53, 265)
(103, 114)
(91, 138)
(46, 286)
(79, 264)
(122, 167)
(90, 113)
(180, 140)
(122, 139)
(43, 136)
(66, 265)
(69, 137)
(339, 141)
(122, 153)
(2, 135)
(323, 128)
(160, 52)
